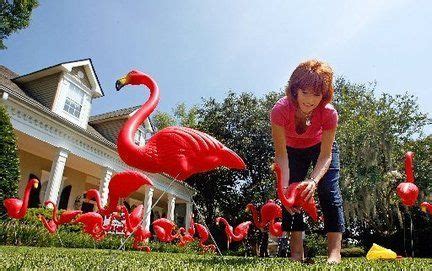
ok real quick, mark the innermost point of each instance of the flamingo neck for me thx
(25, 199)
(228, 228)
(98, 201)
(47, 225)
(285, 201)
(128, 224)
(54, 213)
(409, 167)
(125, 142)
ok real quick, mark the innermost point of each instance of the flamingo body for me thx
(293, 196)
(164, 229)
(408, 191)
(239, 233)
(17, 208)
(121, 185)
(203, 235)
(93, 225)
(275, 228)
(65, 217)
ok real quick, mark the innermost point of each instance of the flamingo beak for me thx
(121, 82)
(423, 208)
(35, 185)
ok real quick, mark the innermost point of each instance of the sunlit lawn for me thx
(64, 258)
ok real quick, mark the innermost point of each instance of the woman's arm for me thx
(281, 156)
(322, 165)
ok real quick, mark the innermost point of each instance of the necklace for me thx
(308, 116)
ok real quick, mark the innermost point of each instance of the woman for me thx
(303, 130)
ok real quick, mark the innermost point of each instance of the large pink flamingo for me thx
(121, 185)
(408, 191)
(177, 151)
(133, 225)
(268, 212)
(426, 207)
(17, 208)
(293, 196)
(203, 235)
(236, 235)
(164, 229)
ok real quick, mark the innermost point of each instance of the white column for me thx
(188, 214)
(148, 201)
(103, 186)
(56, 176)
(171, 207)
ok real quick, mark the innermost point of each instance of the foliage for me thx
(182, 116)
(162, 120)
(9, 169)
(15, 15)
(94, 259)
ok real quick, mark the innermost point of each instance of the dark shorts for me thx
(329, 194)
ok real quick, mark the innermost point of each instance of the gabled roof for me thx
(5, 80)
(10, 87)
(123, 113)
(66, 66)
(120, 113)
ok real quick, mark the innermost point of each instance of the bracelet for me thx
(315, 181)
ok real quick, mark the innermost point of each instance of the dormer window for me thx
(74, 99)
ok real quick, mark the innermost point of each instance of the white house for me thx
(69, 150)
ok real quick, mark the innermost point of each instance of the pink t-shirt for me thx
(323, 118)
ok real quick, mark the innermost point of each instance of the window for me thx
(74, 99)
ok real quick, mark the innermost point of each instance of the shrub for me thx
(30, 232)
(315, 244)
(9, 169)
(353, 252)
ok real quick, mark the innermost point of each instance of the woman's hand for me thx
(309, 189)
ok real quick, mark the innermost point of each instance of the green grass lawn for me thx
(67, 258)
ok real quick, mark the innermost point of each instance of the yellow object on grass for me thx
(379, 252)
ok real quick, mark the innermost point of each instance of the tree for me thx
(373, 134)
(186, 117)
(182, 116)
(9, 169)
(15, 15)
(162, 120)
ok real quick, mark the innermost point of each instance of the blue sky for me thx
(197, 49)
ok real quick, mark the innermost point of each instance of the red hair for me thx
(312, 75)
